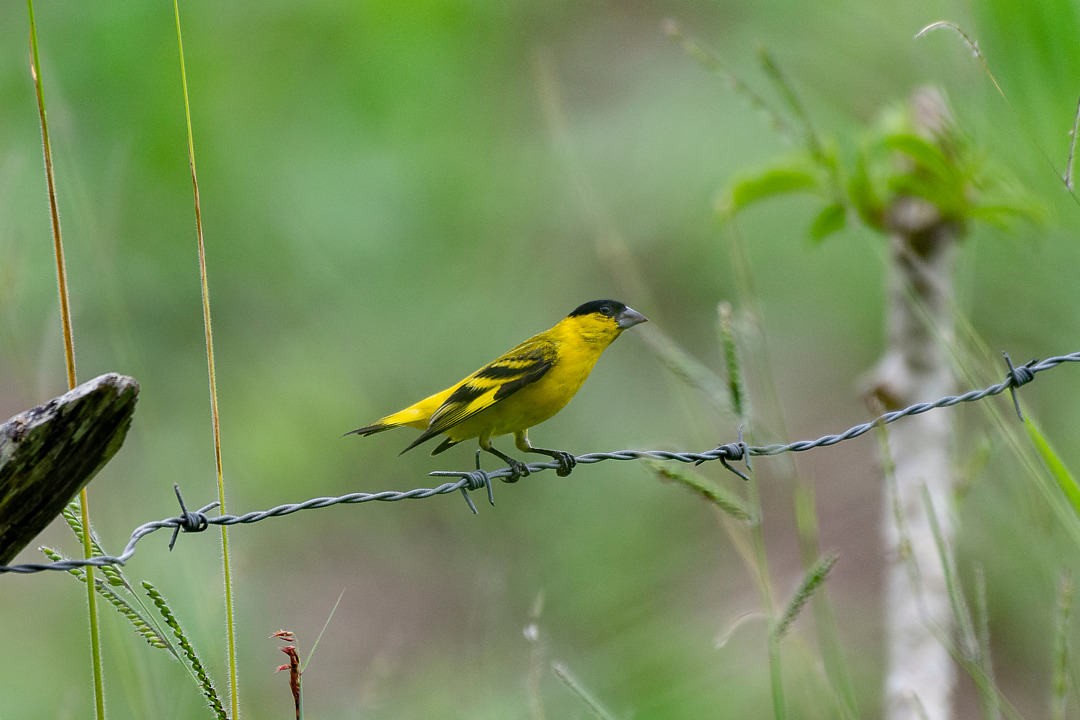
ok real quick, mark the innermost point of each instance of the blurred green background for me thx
(393, 194)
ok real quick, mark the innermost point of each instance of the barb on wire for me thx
(1020, 376)
(473, 481)
(735, 451)
(190, 522)
(478, 479)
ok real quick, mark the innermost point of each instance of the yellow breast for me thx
(533, 404)
(578, 351)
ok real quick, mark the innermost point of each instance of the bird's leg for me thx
(566, 460)
(518, 469)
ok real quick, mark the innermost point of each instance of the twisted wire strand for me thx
(478, 479)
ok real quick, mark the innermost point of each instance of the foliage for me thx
(893, 159)
(118, 591)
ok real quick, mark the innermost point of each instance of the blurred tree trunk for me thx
(915, 368)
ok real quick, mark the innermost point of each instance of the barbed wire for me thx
(479, 479)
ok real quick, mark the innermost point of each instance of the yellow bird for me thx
(524, 387)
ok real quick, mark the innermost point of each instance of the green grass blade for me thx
(825, 627)
(776, 679)
(69, 349)
(325, 625)
(716, 66)
(791, 99)
(230, 615)
(594, 706)
(961, 614)
(1064, 478)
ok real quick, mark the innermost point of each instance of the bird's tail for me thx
(416, 416)
(372, 429)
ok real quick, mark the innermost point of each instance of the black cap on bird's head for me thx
(625, 317)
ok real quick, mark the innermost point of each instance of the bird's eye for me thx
(605, 309)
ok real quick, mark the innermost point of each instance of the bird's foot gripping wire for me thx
(518, 470)
(566, 462)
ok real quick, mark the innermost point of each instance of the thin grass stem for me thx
(1060, 684)
(50, 178)
(595, 707)
(988, 701)
(761, 565)
(824, 617)
(791, 98)
(69, 355)
(961, 614)
(713, 64)
(810, 583)
(321, 632)
(215, 418)
(188, 650)
(1066, 177)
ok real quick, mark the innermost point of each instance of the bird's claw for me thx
(566, 462)
(518, 470)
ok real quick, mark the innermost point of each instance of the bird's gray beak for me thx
(628, 318)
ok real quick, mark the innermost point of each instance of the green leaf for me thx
(831, 219)
(863, 196)
(926, 154)
(1006, 215)
(768, 184)
(948, 199)
(1061, 474)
